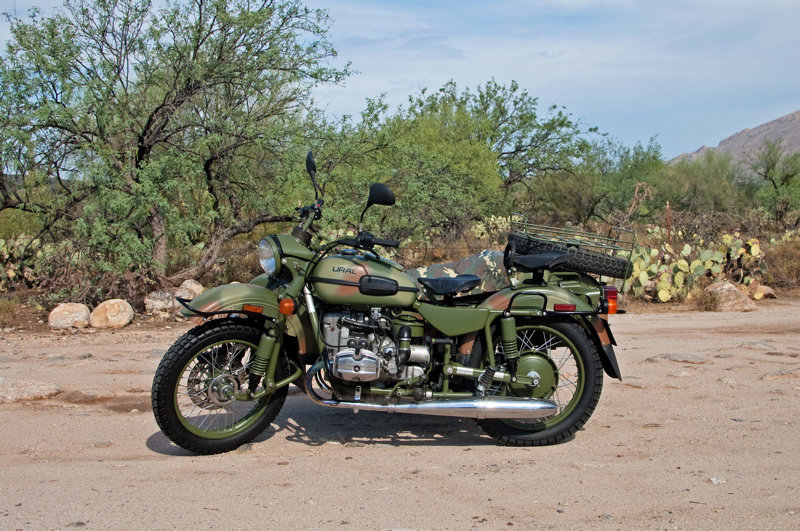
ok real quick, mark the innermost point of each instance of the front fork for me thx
(266, 360)
(267, 355)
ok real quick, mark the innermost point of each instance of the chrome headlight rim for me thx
(269, 257)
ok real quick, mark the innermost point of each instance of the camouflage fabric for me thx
(486, 264)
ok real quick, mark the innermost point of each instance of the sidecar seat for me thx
(442, 279)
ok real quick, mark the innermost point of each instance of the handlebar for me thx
(315, 208)
(366, 240)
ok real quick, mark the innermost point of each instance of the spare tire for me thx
(580, 259)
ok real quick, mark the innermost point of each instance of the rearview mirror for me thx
(311, 166)
(380, 194)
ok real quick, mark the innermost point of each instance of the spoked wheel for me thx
(566, 364)
(196, 382)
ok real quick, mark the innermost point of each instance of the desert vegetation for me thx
(147, 143)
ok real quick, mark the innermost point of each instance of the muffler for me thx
(476, 407)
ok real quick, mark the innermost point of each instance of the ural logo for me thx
(345, 270)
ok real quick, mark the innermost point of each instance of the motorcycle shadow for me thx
(304, 422)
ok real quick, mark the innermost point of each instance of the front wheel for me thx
(564, 360)
(195, 383)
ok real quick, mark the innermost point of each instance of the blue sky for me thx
(687, 72)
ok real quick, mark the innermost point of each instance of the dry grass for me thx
(783, 259)
(703, 300)
(9, 308)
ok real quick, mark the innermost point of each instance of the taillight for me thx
(611, 296)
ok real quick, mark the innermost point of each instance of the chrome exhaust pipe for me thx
(476, 408)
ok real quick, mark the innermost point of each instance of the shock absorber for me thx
(508, 337)
(261, 360)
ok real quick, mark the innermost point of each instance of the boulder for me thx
(730, 298)
(764, 292)
(163, 304)
(189, 289)
(114, 313)
(69, 315)
(160, 303)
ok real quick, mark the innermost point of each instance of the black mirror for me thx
(380, 194)
(311, 166)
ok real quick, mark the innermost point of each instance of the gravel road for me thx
(702, 432)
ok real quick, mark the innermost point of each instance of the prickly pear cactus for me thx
(13, 268)
(664, 273)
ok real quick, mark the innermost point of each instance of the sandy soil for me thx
(702, 432)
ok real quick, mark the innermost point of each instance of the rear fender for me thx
(595, 325)
(533, 298)
(599, 331)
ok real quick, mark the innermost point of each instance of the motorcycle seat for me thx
(448, 286)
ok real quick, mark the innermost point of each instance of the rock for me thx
(160, 303)
(684, 358)
(113, 313)
(764, 292)
(68, 315)
(189, 289)
(12, 390)
(730, 298)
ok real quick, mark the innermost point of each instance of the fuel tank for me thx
(362, 280)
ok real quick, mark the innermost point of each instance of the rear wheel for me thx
(194, 387)
(564, 360)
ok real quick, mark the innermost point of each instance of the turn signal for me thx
(611, 297)
(286, 306)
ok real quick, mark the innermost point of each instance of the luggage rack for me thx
(605, 255)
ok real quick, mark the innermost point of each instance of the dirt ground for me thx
(701, 433)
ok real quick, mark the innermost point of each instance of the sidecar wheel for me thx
(570, 373)
(194, 384)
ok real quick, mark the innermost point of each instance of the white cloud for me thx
(692, 72)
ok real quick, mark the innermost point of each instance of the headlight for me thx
(266, 255)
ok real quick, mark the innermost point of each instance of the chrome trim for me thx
(476, 408)
(312, 309)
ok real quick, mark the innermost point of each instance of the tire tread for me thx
(509, 436)
(173, 361)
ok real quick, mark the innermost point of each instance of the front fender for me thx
(234, 297)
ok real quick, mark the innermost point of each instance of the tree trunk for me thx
(215, 247)
(159, 228)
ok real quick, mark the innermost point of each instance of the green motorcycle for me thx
(354, 330)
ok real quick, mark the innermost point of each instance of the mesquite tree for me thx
(132, 130)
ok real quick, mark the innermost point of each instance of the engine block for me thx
(357, 366)
(362, 348)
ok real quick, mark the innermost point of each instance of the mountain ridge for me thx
(749, 140)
